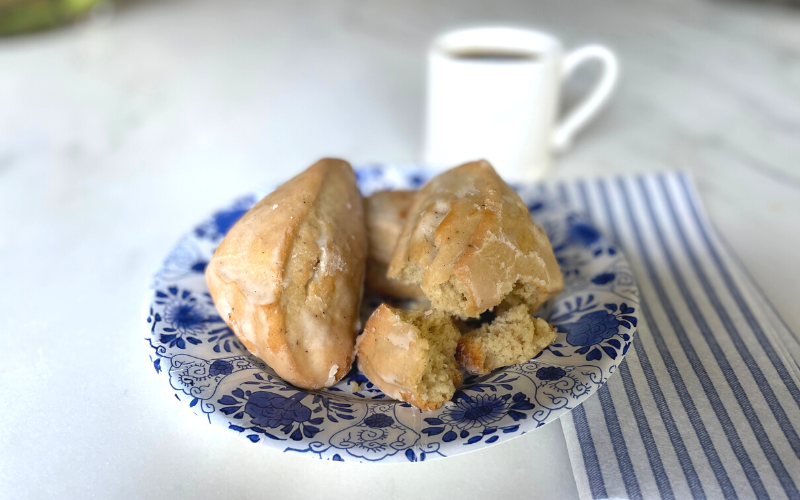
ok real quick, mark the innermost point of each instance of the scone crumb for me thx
(513, 337)
(410, 355)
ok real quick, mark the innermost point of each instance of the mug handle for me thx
(591, 104)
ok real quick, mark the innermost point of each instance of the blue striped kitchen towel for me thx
(707, 403)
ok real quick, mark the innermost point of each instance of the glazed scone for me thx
(385, 213)
(377, 283)
(470, 242)
(513, 337)
(410, 355)
(288, 277)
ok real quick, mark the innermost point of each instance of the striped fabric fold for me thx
(707, 402)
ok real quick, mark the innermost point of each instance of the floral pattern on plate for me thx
(211, 373)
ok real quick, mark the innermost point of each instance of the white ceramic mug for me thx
(493, 93)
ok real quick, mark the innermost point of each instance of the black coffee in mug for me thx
(493, 55)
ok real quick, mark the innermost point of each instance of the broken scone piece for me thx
(287, 278)
(470, 242)
(410, 355)
(513, 337)
(385, 213)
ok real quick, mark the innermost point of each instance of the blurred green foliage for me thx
(20, 16)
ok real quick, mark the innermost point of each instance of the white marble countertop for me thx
(118, 134)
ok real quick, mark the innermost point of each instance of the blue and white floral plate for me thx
(214, 376)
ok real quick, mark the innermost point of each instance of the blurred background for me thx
(167, 109)
(122, 124)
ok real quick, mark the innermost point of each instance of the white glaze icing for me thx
(316, 330)
(246, 324)
(332, 376)
(330, 259)
(259, 288)
(388, 386)
(402, 335)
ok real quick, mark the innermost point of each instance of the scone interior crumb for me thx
(441, 374)
(449, 297)
(418, 304)
(513, 337)
(527, 293)
(511, 300)
(411, 274)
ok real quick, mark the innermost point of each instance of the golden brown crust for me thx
(288, 277)
(470, 357)
(385, 213)
(394, 355)
(470, 242)
(391, 353)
